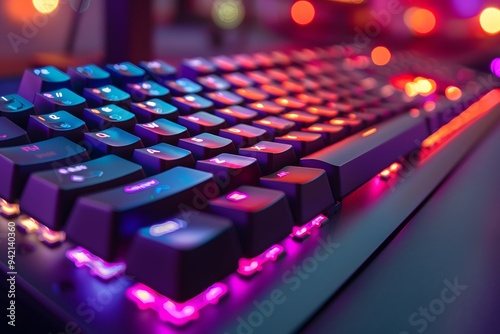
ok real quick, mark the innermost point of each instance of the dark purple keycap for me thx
(303, 143)
(41, 80)
(223, 98)
(161, 157)
(16, 108)
(182, 86)
(59, 123)
(202, 122)
(244, 135)
(125, 73)
(266, 108)
(112, 141)
(158, 70)
(213, 82)
(90, 76)
(191, 103)
(207, 145)
(154, 109)
(195, 67)
(236, 114)
(11, 134)
(60, 99)
(270, 156)
(147, 90)
(109, 94)
(107, 116)
(160, 130)
(274, 125)
(330, 133)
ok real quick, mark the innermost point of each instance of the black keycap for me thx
(109, 94)
(207, 145)
(202, 122)
(17, 162)
(104, 222)
(307, 190)
(236, 114)
(16, 108)
(11, 134)
(90, 76)
(330, 133)
(154, 109)
(160, 130)
(41, 80)
(262, 217)
(60, 99)
(191, 103)
(183, 86)
(59, 123)
(112, 141)
(49, 195)
(203, 246)
(158, 70)
(303, 143)
(352, 162)
(108, 116)
(147, 90)
(244, 135)
(301, 119)
(353, 125)
(276, 126)
(125, 73)
(270, 156)
(266, 108)
(161, 157)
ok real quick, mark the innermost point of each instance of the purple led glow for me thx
(249, 267)
(140, 186)
(176, 313)
(81, 257)
(495, 67)
(236, 196)
(467, 8)
(301, 232)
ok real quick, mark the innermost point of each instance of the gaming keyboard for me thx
(231, 194)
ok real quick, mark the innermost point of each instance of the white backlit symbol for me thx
(259, 148)
(106, 109)
(106, 90)
(151, 125)
(151, 151)
(54, 116)
(218, 161)
(167, 227)
(102, 135)
(198, 140)
(59, 94)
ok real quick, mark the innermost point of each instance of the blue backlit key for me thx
(112, 141)
(195, 67)
(108, 116)
(41, 80)
(11, 134)
(200, 245)
(224, 98)
(270, 156)
(202, 122)
(119, 212)
(244, 135)
(153, 109)
(90, 76)
(125, 73)
(59, 123)
(158, 70)
(160, 130)
(207, 145)
(16, 108)
(161, 157)
(17, 162)
(109, 94)
(146, 90)
(236, 114)
(191, 103)
(262, 216)
(61, 186)
(182, 86)
(60, 99)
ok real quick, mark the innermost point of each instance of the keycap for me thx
(274, 90)
(270, 156)
(277, 74)
(238, 79)
(125, 73)
(90, 76)
(245, 62)
(252, 94)
(324, 113)
(276, 126)
(330, 133)
(147, 90)
(16, 108)
(117, 213)
(112, 141)
(213, 82)
(207, 145)
(263, 60)
(154, 109)
(266, 108)
(307, 190)
(353, 161)
(303, 143)
(59, 123)
(11, 134)
(259, 77)
(60, 99)
(40, 80)
(353, 125)
(183, 86)
(231, 171)
(159, 70)
(49, 195)
(301, 119)
(243, 135)
(280, 58)
(236, 114)
(290, 103)
(191, 103)
(203, 246)
(109, 94)
(202, 122)
(224, 98)
(160, 130)
(195, 67)
(224, 64)
(108, 116)
(309, 98)
(17, 162)
(262, 217)
(161, 157)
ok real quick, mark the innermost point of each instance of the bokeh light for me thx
(495, 67)
(453, 93)
(467, 8)
(419, 20)
(381, 55)
(302, 12)
(45, 6)
(490, 20)
(228, 14)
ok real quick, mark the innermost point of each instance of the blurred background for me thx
(70, 32)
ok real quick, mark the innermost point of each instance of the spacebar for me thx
(353, 161)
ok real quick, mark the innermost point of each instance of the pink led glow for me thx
(236, 196)
(302, 232)
(282, 174)
(81, 257)
(249, 267)
(168, 310)
(495, 67)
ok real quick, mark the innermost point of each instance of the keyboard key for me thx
(191, 103)
(90, 76)
(223, 98)
(109, 116)
(101, 96)
(160, 130)
(301, 119)
(207, 145)
(243, 135)
(183, 86)
(330, 133)
(112, 141)
(41, 80)
(280, 58)
(17, 162)
(303, 143)
(236, 114)
(203, 246)
(213, 83)
(307, 190)
(276, 126)
(125, 73)
(61, 187)
(158, 70)
(309, 98)
(147, 90)
(224, 64)
(259, 77)
(352, 125)
(274, 90)
(61, 99)
(266, 108)
(245, 62)
(119, 212)
(154, 109)
(324, 113)
(238, 80)
(290, 103)
(263, 60)
(262, 217)
(16, 108)
(60, 123)
(295, 72)
(202, 122)
(270, 156)
(293, 87)
(196, 67)
(231, 171)
(354, 161)
(161, 157)
(11, 134)
(277, 74)
(251, 94)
